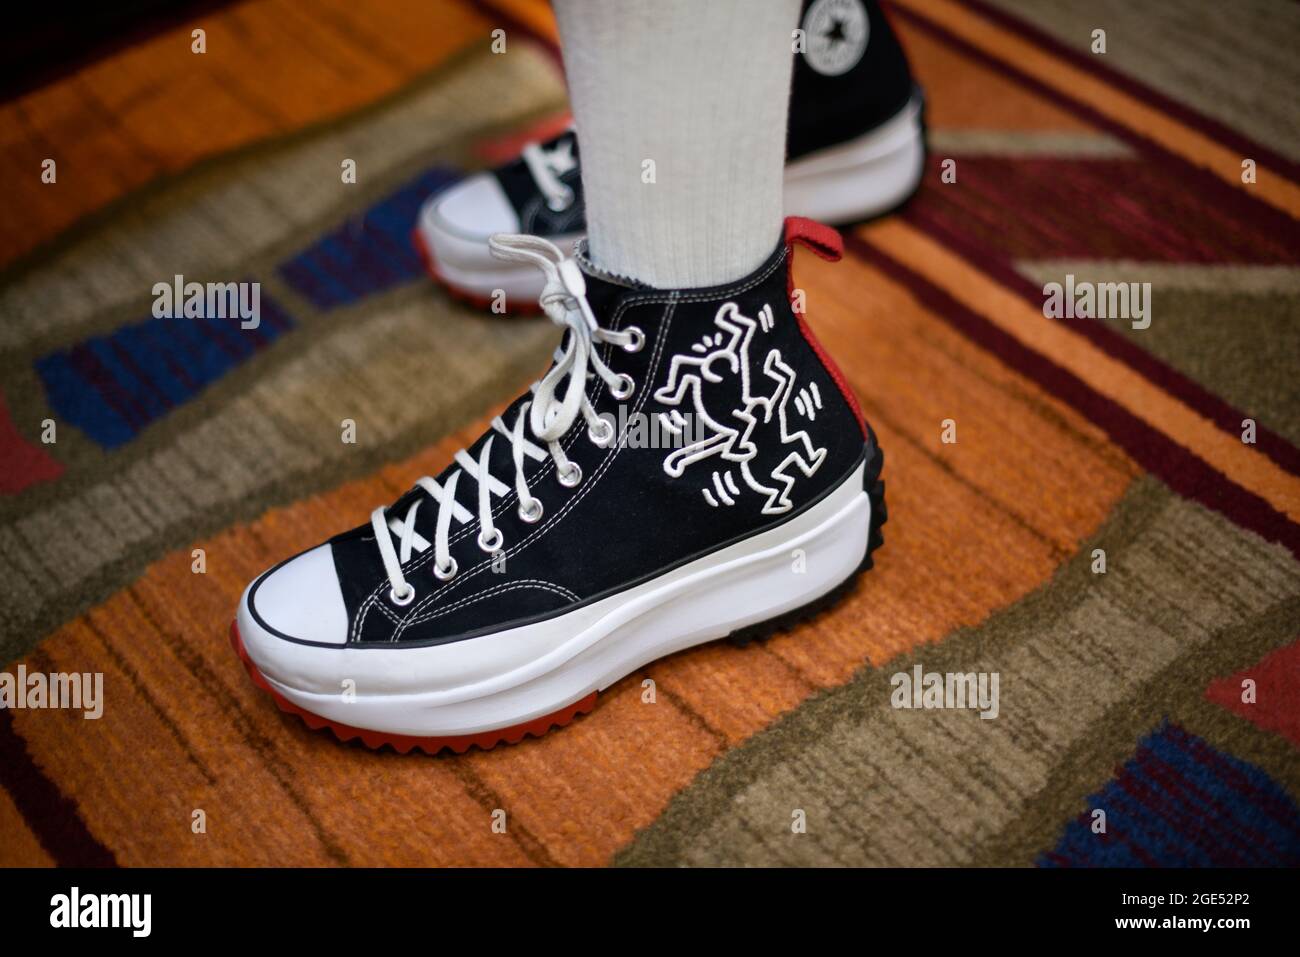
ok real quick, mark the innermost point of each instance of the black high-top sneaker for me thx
(691, 466)
(855, 149)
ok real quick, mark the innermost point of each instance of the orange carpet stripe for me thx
(1101, 96)
(584, 791)
(1072, 351)
(964, 94)
(156, 108)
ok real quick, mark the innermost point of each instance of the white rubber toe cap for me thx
(457, 222)
(301, 600)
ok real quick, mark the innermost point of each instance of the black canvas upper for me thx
(535, 217)
(627, 519)
(824, 110)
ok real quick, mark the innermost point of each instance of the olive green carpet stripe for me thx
(1076, 661)
(1231, 329)
(1047, 143)
(271, 439)
(270, 198)
(1234, 62)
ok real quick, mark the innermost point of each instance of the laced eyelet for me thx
(626, 386)
(449, 572)
(638, 339)
(532, 513)
(493, 544)
(402, 602)
(603, 435)
(571, 476)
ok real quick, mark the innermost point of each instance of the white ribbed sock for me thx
(700, 88)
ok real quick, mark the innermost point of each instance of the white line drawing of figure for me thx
(707, 377)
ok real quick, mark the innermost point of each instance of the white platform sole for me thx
(861, 178)
(841, 184)
(522, 674)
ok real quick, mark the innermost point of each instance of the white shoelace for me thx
(548, 416)
(547, 166)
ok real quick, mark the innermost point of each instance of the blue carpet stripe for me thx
(369, 253)
(111, 387)
(1178, 802)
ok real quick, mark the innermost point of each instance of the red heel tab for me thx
(823, 240)
(827, 243)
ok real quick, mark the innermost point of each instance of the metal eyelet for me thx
(602, 436)
(494, 544)
(402, 602)
(570, 477)
(450, 572)
(626, 386)
(638, 339)
(533, 512)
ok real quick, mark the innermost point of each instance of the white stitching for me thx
(496, 590)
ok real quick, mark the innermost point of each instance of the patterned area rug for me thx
(1114, 534)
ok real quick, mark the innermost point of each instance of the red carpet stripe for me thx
(1183, 471)
(1277, 689)
(52, 816)
(1118, 209)
(25, 462)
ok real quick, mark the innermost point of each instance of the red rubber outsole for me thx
(402, 743)
(529, 308)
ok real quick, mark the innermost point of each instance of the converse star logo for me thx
(709, 376)
(836, 35)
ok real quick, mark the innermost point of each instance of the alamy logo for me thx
(215, 300)
(707, 382)
(933, 690)
(77, 691)
(75, 909)
(1098, 300)
(637, 430)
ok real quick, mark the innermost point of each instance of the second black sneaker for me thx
(855, 149)
(691, 466)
